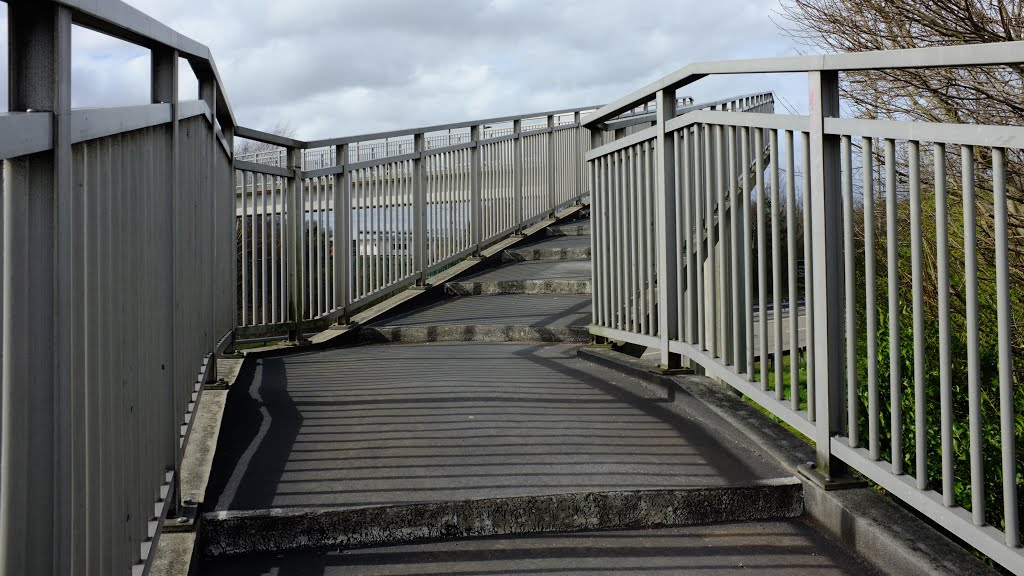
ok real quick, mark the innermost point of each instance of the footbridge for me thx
(654, 336)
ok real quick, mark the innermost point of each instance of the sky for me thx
(343, 67)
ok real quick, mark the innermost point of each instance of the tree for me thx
(245, 147)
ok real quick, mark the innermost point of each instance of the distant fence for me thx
(417, 201)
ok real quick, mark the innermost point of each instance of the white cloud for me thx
(332, 67)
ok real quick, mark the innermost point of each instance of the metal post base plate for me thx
(185, 521)
(829, 483)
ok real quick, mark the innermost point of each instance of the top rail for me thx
(124, 22)
(1003, 53)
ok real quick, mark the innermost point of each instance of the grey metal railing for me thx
(117, 257)
(426, 198)
(677, 270)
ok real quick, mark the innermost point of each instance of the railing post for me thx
(668, 293)
(419, 208)
(517, 174)
(828, 280)
(578, 156)
(342, 234)
(551, 166)
(164, 77)
(36, 514)
(475, 201)
(293, 230)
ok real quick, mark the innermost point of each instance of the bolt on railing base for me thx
(184, 519)
(811, 472)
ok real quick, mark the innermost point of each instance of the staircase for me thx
(473, 416)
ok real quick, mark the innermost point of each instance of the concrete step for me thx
(474, 333)
(538, 310)
(576, 228)
(774, 548)
(232, 533)
(531, 254)
(551, 248)
(534, 270)
(518, 287)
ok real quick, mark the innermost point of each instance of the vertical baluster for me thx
(710, 177)
(681, 231)
(633, 216)
(945, 383)
(794, 309)
(973, 379)
(808, 276)
(776, 263)
(244, 247)
(895, 362)
(1005, 327)
(867, 153)
(748, 256)
(762, 263)
(920, 422)
(699, 215)
(686, 239)
(851, 306)
(723, 178)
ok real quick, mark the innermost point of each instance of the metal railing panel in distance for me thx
(262, 251)
(874, 259)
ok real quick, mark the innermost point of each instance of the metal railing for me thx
(425, 199)
(676, 269)
(416, 201)
(117, 257)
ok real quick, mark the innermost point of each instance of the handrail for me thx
(119, 20)
(1001, 53)
(269, 138)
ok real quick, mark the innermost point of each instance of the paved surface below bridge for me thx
(791, 548)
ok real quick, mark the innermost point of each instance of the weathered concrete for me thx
(174, 552)
(894, 539)
(228, 533)
(518, 287)
(473, 333)
(783, 548)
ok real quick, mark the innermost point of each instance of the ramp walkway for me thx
(472, 415)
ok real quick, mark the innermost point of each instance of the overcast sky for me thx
(332, 67)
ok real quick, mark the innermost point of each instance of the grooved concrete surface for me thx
(786, 548)
(414, 423)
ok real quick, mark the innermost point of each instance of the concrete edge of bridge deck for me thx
(893, 539)
(231, 533)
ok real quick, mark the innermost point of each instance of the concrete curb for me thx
(277, 530)
(518, 287)
(535, 254)
(473, 333)
(568, 230)
(884, 533)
